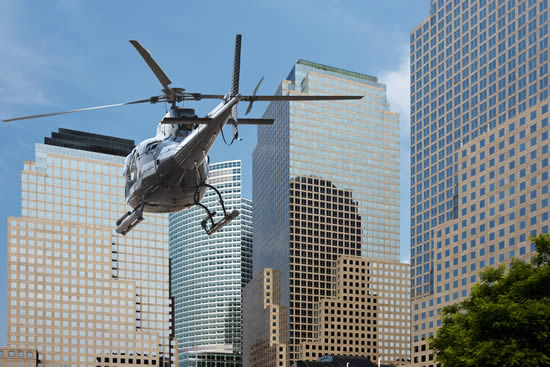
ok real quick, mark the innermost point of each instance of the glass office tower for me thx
(209, 272)
(326, 184)
(479, 147)
(79, 293)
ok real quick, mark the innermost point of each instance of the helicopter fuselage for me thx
(164, 174)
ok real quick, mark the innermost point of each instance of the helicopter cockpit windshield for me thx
(183, 130)
(130, 170)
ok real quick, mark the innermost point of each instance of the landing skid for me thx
(129, 220)
(214, 226)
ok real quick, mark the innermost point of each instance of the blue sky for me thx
(63, 54)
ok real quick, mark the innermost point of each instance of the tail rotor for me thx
(253, 95)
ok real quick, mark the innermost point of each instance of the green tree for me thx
(506, 319)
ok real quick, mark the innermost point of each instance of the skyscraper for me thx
(479, 147)
(209, 272)
(326, 185)
(78, 293)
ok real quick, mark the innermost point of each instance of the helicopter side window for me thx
(151, 146)
(160, 130)
(132, 170)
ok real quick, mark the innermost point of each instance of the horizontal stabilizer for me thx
(243, 121)
(186, 120)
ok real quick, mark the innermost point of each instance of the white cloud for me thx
(398, 89)
(406, 260)
(397, 81)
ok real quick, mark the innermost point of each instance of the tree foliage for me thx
(506, 319)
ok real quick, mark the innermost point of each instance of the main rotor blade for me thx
(248, 121)
(186, 120)
(206, 120)
(297, 98)
(236, 66)
(150, 100)
(161, 76)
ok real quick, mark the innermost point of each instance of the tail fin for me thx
(236, 66)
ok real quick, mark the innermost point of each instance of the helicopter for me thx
(169, 172)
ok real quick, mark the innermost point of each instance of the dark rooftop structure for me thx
(90, 142)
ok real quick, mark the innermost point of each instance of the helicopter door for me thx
(148, 161)
(154, 151)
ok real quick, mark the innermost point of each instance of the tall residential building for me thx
(209, 272)
(326, 185)
(78, 293)
(479, 147)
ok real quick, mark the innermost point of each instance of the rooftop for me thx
(332, 69)
(90, 142)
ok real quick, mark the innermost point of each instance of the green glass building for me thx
(207, 274)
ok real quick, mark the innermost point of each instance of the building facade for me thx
(367, 314)
(209, 272)
(479, 148)
(16, 357)
(265, 319)
(326, 185)
(78, 293)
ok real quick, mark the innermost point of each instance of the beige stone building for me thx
(479, 148)
(367, 315)
(78, 293)
(18, 357)
(264, 322)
